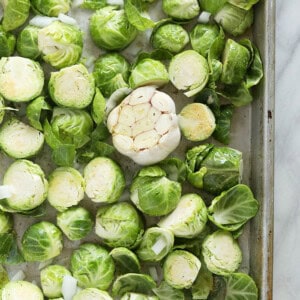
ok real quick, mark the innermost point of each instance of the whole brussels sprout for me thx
(51, 8)
(41, 241)
(6, 222)
(110, 28)
(119, 225)
(92, 266)
(27, 42)
(170, 37)
(183, 10)
(21, 290)
(92, 294)
(7, 43)
(111, 72)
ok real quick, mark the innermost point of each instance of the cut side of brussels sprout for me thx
(183, 10)
(197, 122)
(28, 184)
(104, 179)
(181, 269)
(14, 74)
(72, 87)
(66, 188)
(222, 254)
(51, 8)
(15, 290)
(189, 72)
(145, 126)
(20, 140)
(92, 294)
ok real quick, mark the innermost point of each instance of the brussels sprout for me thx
(236, 60)
(183, 10)
(244, 4)
(72, 87)
(156, 244)
(148, 72)
(66, 188)
(41, 241)
(208, 40)
(238, 285)
(212, 6)
(170, 37)
(14, 83)
(166, 292)
(221, 252)
(69, 126)
(110, 28)
(131, 282)
(92, 294)
(20, 140)
(28, 183)
(119, 225)
(75, 223)
(27, 42)
(153, 193)
(126, 261)
(197, 122)
(181, 269)
(189, 72)
(111, 72)
(135, 296)
(105, 181)
(92, 266)
(21, 290)
(7, 43)
(234, 20)
(233, 208)
(98, 107)
(60, 44)
(51, 8)
(15, 13)
(6, 223)
(144, 126)
(188, 219)
(52, 280)
(214, 169)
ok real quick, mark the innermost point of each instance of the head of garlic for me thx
(144, 126)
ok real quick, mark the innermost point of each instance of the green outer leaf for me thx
(4, 279)
(238, 95)
(233, 208)
(50, 136)
(93, 4)
(7, 43)
(6, 243)
(98, 107)
(135, 12)
(132, 282)
(240, 286)
(244, 4)
(51, 8)
(166, 292)
(255, 72)
(64, 155)
(175, 169)
(212, 6)
(15, 256)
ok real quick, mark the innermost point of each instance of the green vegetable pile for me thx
(118, 181)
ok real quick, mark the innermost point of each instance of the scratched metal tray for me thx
(252, 133)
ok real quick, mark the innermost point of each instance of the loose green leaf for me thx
(93, 4)
(174, 168)
(6, 242)
(255, 72)
(4, 279)
(165, 292)
(64, 155)
(238, 95)
(212, 6)
(15, 256)
(244, 4)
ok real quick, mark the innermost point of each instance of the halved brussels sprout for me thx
(66, 188)
(105, 181)
(197, 122)
(21, 290)
(6, 222)
(181, 269)
(233, 19)
(75, 223)
(136, 296)
(182, 10)
(51, 8)
(7, 43)
(28, 183)
(153, 193)
(171, 37)
(221, 252)
(119, 225)
(27, 42)
(188, 219)
(15, 13)
(72, 87)
(235, 60)
(111, 72)
(41, 241)
(110, 28)
(20, 140)
(148, 71)
(92, 294)
(189, 72)
(156, 244)
(14, 79)
(52, 279)
(60, 44)
(92, 266)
